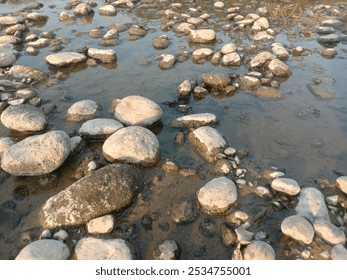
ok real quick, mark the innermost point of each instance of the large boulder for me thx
(45, 249)
(106, 190)
(37, 155)
(137, 110)
(134, 144)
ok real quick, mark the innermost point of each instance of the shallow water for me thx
(301, 133)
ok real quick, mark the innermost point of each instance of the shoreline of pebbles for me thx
(130, 148)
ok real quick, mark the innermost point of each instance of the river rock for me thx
(37, 155)
(134, 144)
(91, 248)
(325, 30)
(137, 31)
(327, 52)
(228, 48)
(107, 10)
(202, 36)
(260, 59)
(201, 54)
(36, 17)
(231, 59)
(268, 93)
(332, 23)
(262, 35)
(342, 183)
(65, 16)
(161, 42)
(322, 91)
(101, 225)
(10, 39)
(184, 89)
(8, 20)
(45, 249)
(329, 39)
(105, 56)
(312, 205)
(298, 228)
(195, 120)
(249, 82)
(338, 252)
(167, 61)
(184, 27)
(24, 118)
(21, 71)
(261, 24)
(98, 129)
(7, 58)
(184, 213)
(5, 143)
(137, 110)
(83, 9)
(106, 190)
(65, 58)
(280, 51)
(208, 141)
(167, 250)
(329, 232)
(279, 68)
(83, 110)
(216, 80)
(217, 196)
(258, 250)
(39, 43)
(285, 185)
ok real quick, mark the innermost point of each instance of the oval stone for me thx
(65, 58)
(99, 128)
(285, 185)
(258, 250)
(45, 249)
(298, 228)
(329, 232)
(83, 110)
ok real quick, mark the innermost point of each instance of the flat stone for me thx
(83, 110)
(202, 53)
(258, 250)
(105, 56)
(100, 225)
(167, 250)
(312, 205)
(36, 17)
(249, 82)
(65, 58)
(338, 252)
(322, 91)
(228, 48)
(107, 10)
(332, 23)
(260, 59)
(208, 141)
(342, 183)
(268, 93)
(231, 59)
(329, 39)
(7, 59)
(262, 35)
(10, 39)
(217, 196)
(195, 120)
(298, 228)
(134, 144)
(184, 27)
(329, 232)
(8, 20)
(202, 36)
(106, 190)
(21, 71)
(109, 35)
(24, 118)
(39, 43)
(137, 110)
(98, 129)
(91, 248)
(279, 68)
(216, 80)
(45, 249)
(37, 155)
(285, 185)
(325, 30)
(195, 21)
(245, 22)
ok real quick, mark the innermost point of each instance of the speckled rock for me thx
(134, 144)
(202, 36)
(37, 155)
(208, 141)
(45, 249)
(137, 110)
(91, 248)
(160, 42)
(24, 118)
(167, 250)
(98, 129)
(285, 185)
(106, 190)
(21, 71)
(167, 61)
(195, 120)
(258, 250)
(216, 80)
(65, 58)
(279, 68)
(280, 51)
(105, 56)
(83, 110)
(231, 59)
(100, 225)
(217, 196)
(329, 232)
(298, 228)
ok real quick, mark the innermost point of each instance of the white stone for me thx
(104, 224)
(44, 249)
(39, 43)
(91, 248)
(137, 110)
(61, 235)
(217, 196)
(329, 232)
(167, 250)
(46, 234)
(260, 59)
(228, 48)
(231, 59)
(111, 34)
(279, 68)
(202, 36)
(285, 185)
(298, 228)
(263, 23)
(99, 128)
(134, 144)
(202, 53)
(83, 9)
(311, 205)
(338, 252)
(5, 143)
(37, 155)
(105, 56)
(65, 58)
(262, 35)
(195, 120)
(167, 61)
(83, 110)
(36, 17)
(263, 191)
(219, 5)
(208, 141)
(342, 183)
(280, 51)
(8, 20)
(184, 89)
(107, 10)
(7, 58)
(75, 143)
(258, 250)
(195, 21)
(184, 27)
(276, 174)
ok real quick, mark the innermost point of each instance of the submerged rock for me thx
(37, 155)
(268, 92)
(106, 190)
(134, 144)
(167, 250)
(195, 120)
(184, 213)
(91, 248)
(45, 249)
(65, 58)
